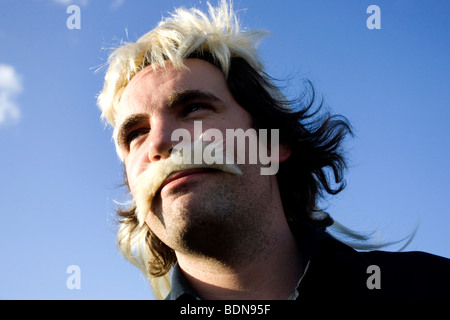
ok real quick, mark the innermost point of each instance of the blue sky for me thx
(60, 173)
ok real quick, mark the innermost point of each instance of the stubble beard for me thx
(220, 220)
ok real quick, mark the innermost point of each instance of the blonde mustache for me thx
(150, 181)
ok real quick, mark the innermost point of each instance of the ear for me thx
(284, 152)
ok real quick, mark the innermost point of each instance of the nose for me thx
(160, 143)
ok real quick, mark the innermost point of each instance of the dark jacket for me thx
(337, 272)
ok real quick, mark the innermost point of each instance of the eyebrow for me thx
(128, 124)
(177, 98)
(185, 96)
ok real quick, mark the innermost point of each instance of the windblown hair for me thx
(314, 137)
(186, 33)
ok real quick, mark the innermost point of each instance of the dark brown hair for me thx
(315, 138)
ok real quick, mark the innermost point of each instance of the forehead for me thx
(149, 89)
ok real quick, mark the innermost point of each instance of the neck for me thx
(271, 273)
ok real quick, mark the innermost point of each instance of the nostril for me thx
(156, 155)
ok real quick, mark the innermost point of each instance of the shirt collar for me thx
(181, 289)
(307, 236)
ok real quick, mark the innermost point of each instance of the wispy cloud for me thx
(116, 4)
(10, 87)
(69, 2)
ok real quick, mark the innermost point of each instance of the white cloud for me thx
(69, 2)
(10, 87)
(64, 2)
(116, 4)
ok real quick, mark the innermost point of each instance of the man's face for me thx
(196, 207)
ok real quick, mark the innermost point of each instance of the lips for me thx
(180, 174)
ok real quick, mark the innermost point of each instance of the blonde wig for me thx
(185, 33)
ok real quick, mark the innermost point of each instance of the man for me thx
(225, 229)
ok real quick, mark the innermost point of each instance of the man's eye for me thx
(135, 134)
(195, 107)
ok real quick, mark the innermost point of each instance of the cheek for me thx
(243, 118)
(133, 168)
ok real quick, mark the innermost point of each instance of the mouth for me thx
(169, 174)
(180, 176)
